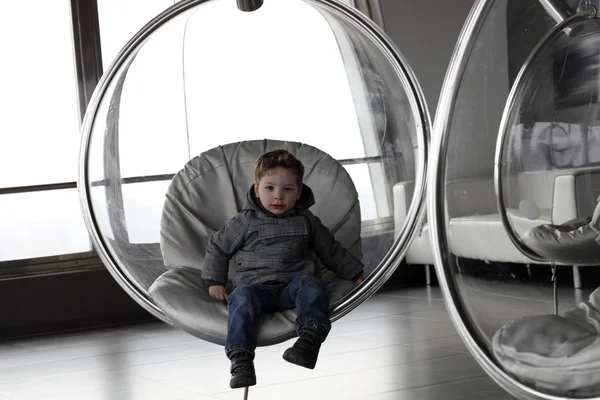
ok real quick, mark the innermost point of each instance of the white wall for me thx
(426, 33)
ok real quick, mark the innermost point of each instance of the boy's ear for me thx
(299, 192)
(256, 189)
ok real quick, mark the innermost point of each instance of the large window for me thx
(120, 20)
(548, 145)
(39, 131)
(215, 75)
(311, 102)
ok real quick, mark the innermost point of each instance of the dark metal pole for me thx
(249, 5)
(554, 288)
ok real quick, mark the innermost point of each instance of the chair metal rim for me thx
(416, 210)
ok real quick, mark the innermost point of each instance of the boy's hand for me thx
(360, 280)
(218, 292)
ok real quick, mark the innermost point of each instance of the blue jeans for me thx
(307, 294)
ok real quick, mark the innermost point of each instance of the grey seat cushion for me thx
(183, 296)
(559, 354)
(576, 242)
(573, 243)
(210, 189)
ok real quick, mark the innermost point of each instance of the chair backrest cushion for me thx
(212, 187)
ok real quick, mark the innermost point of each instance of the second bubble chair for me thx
(523, 89)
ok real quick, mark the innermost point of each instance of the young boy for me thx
(280, 247)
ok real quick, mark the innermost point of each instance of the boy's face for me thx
(278, 190)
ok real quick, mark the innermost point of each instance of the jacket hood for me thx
(306, 200)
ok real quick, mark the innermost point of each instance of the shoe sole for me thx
(242, 383)
(292, 358)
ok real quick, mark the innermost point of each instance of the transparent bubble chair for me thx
(180, 116)
(514, 185)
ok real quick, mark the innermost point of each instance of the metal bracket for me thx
(249, 5)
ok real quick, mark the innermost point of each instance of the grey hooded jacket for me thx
(270, 248)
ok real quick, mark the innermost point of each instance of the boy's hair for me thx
(278, 158)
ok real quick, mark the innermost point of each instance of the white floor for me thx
(398, 345)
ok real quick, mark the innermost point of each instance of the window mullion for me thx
(87, 52)
(87, 49)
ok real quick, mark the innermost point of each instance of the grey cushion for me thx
(559, 354)
(574, 242)
(571, 243)
(210, 189)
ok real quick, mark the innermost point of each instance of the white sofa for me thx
(475, 229)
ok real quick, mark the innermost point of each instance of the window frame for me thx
(87, 55)
(88, 67)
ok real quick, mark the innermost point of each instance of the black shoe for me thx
(306, 349)
(242, 371)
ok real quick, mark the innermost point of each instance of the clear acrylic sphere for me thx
(548, 148)
(204, 74)
(512, 151)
